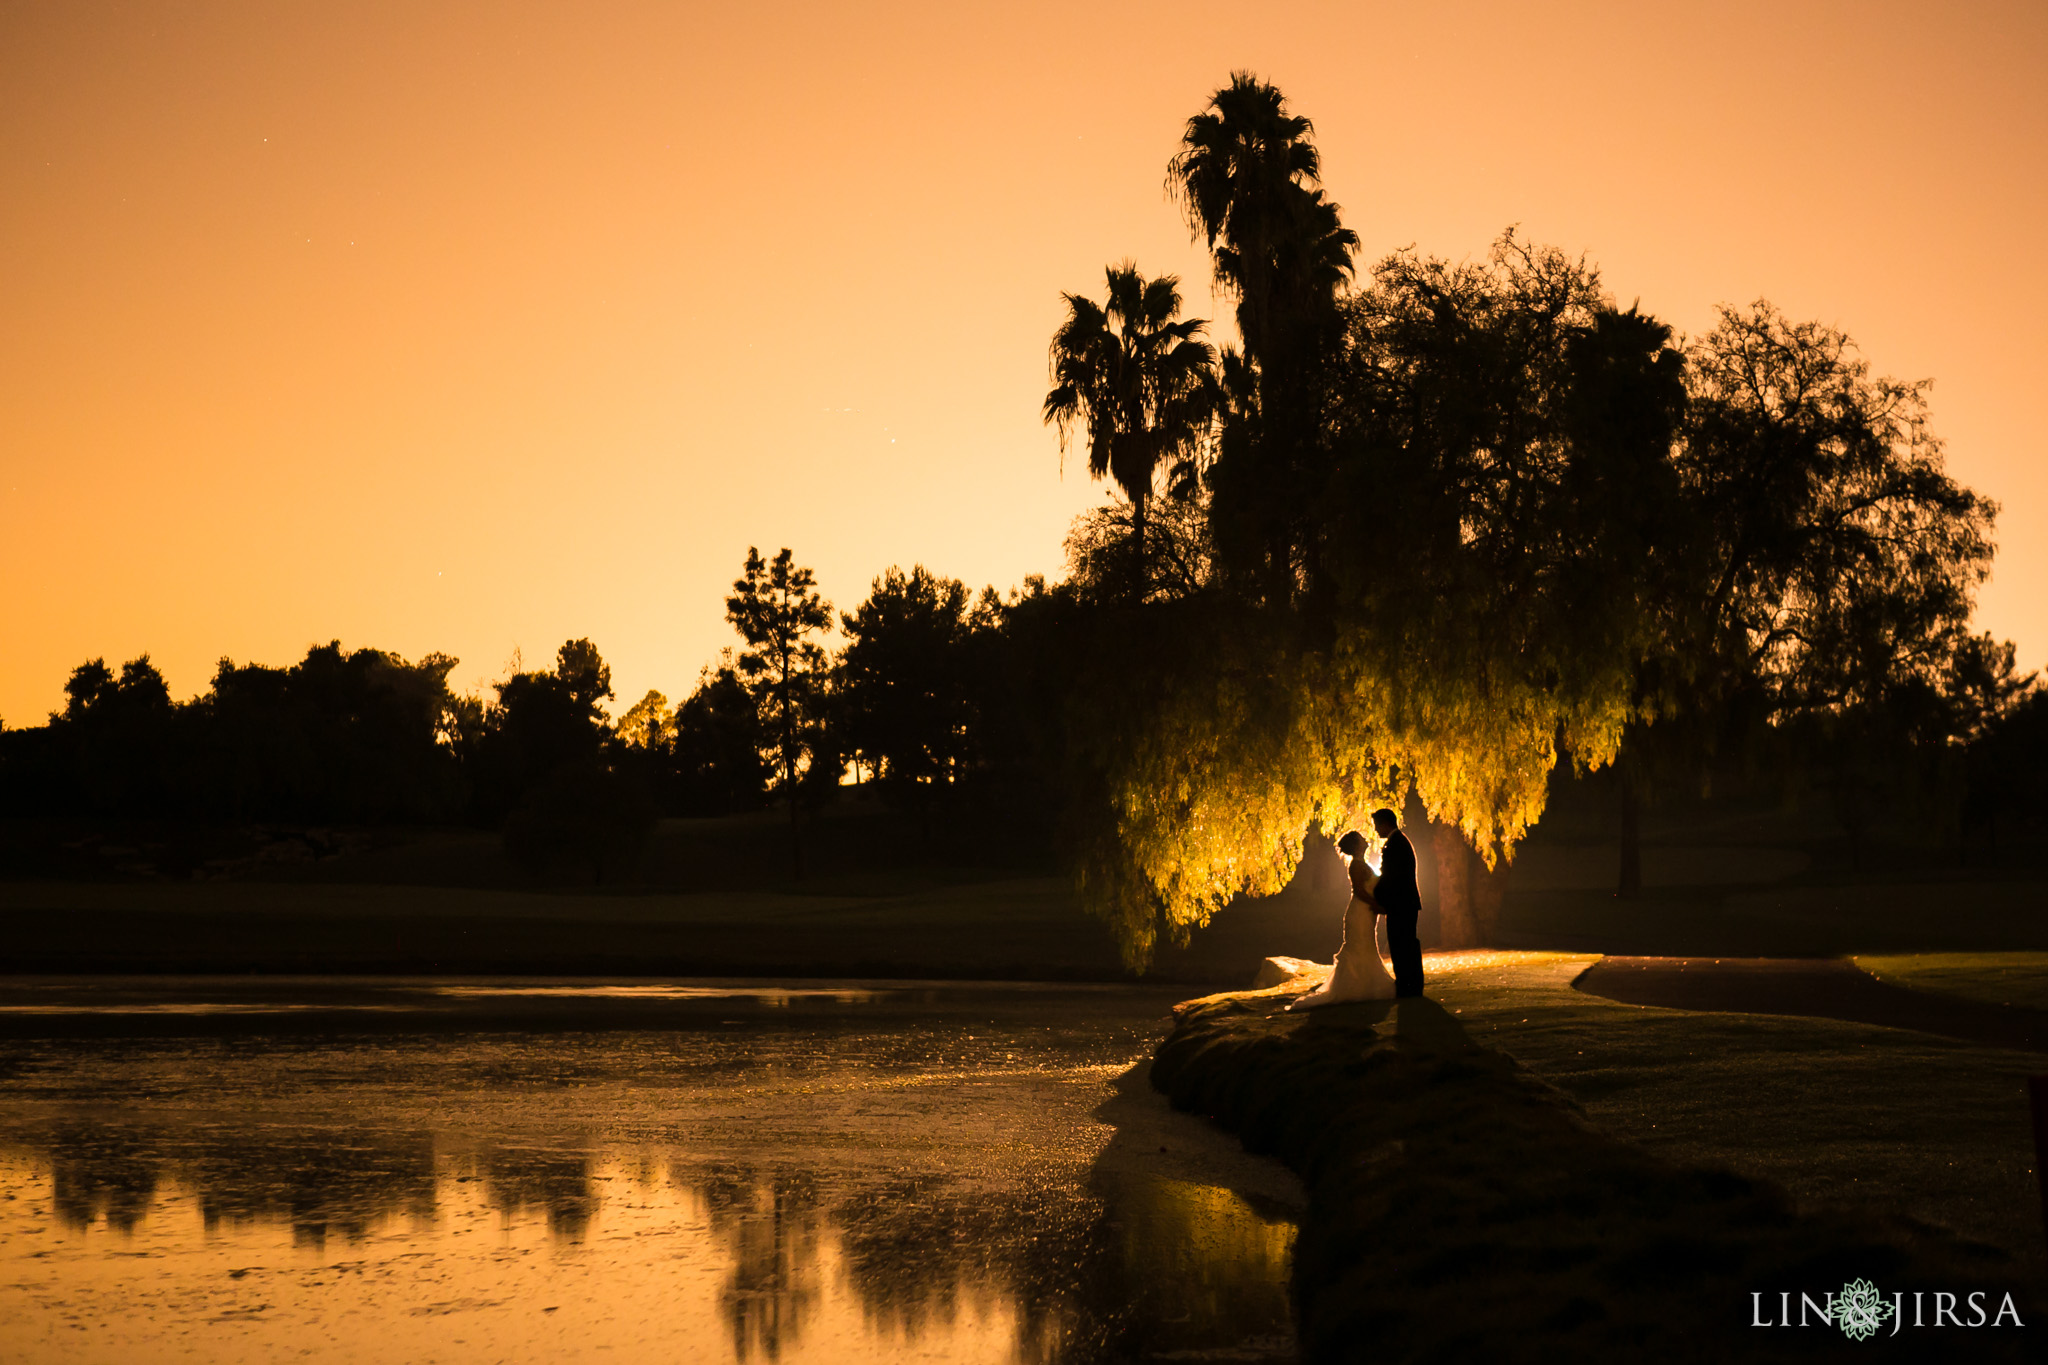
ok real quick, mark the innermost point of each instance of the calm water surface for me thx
(684, 1171)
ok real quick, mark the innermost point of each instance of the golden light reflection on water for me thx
(238, 1242)
(762, 995)
(646, 1264)
(1206, 1239)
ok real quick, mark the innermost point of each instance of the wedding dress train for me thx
(1360, 971)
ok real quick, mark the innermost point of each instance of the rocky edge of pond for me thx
(1460, 1209)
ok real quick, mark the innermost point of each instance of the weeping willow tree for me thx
(1435, 512)
(1476, 573)
(1470, 521)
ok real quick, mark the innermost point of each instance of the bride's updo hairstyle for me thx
(1352, 844)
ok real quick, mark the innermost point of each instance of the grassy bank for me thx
(1740, 877)
(2017, 979)
(961, 929)
(1840, 1114)
(885, 894)
(1464, 1208)
(880, 896)
(1016, 929)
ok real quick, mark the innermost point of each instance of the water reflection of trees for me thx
(913, 1247)
(909, 1251)
(322, 1182)
(919, 1252)
(1127, 1268)
(317, 1181)
(1085, 1273)
(101, 1173)
(772, 1230)
(555, 1180)
(1200, 1258)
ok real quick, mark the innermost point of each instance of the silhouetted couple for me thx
(1389, 896)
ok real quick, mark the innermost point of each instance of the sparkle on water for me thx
(812, 1174)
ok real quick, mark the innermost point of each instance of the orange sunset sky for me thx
(476, 327)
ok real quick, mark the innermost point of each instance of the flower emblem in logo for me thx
(1860, 1310)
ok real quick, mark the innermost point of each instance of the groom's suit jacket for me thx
(1397, 891)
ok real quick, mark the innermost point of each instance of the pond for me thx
(260, 1169)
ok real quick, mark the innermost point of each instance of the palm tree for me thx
(1247, 175)
(1141, 384)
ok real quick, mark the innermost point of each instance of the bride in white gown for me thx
(1359, 973)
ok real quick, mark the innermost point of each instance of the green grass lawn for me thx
(2019, 979)
(1838, 1113)
(1747, 878)
(884, 895)
(1808, 916)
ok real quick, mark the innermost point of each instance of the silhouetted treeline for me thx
(949, 704)
(359, 737)
(941, 702)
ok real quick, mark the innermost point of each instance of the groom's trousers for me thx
(1406, 948)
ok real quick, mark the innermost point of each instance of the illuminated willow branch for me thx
(1211, 794)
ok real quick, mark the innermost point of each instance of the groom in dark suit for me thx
(1401, 899)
